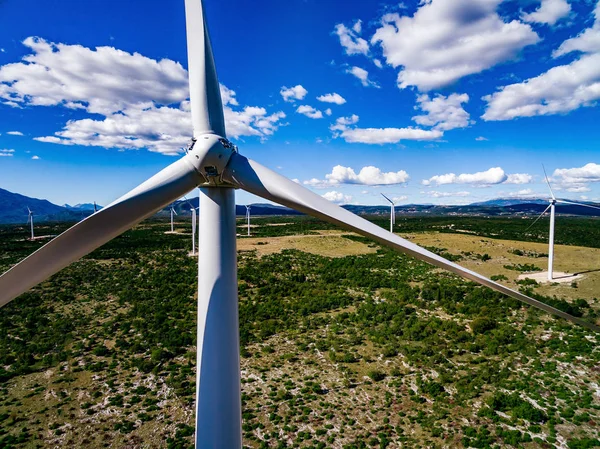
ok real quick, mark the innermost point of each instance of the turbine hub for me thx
(209, 155)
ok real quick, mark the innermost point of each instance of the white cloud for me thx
(7, 153)
(495, 175)
(332, 98)
(559, 90)
(397, 199)
(362, 75)
(350, 39)
(309, 111)
(293, 93)
(328, 111)
(519, 178)
(436, 194)
(549, 12)
(481, 139)
(371, 176)
(443, 113)
(446, 40)
(337, 197)
(577, 179)
(341, 128)
(35, 158)
(143, 102)
(15, 133)
(524, 193)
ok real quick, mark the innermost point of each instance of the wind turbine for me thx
(172, 212)
(392, 213)
(248, 218)
(215, 165)
(30, 221)
(553, 202)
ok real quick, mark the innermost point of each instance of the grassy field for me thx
(344, 344)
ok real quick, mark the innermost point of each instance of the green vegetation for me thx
(372, 350)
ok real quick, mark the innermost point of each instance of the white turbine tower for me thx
(392, 213)
(172, 212)
(30, 222)
(214, 164)
(553, 202)
(194, 227)
(248, 218)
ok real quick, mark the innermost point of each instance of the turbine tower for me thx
(172, 212)
(215, 165)
(30, 222)
(392, 213)
(194, 227)
(248, 218)
(552, 207)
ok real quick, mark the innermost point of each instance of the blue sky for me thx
(440, 101)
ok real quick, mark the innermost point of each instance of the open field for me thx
(344, 344)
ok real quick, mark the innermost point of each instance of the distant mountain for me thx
(83, 207)
(13, 209)
(510, 202)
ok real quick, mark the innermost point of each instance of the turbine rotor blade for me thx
(548, 182)
(577, 204)
(99, 228)
(536, 220)
(387, 198)
(261, 181)
(205, 95)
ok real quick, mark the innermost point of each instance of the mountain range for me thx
(13, 209)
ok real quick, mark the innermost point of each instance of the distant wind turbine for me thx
(392, 213)
(95, 207)
(30, 221)
(172, 212)
(248, 218)
(553, 201)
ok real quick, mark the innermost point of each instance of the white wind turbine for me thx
(214, 164)
(248, 218)
(172, 212)
(30, 221)
(553, 202)
(392, 213)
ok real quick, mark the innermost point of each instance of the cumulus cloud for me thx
(337, 197)
(291, 94)
(443, 113)
(446, 40)
(332, 98)
(35, 158)
(481, 139)
(350, 39)
(371, 176)
(524, 193)
(342, 128)
(362, 75)
(436, 194)
(328, 111)
(559, 90)
(577, 179)
(549, 12)
(15, 133)
(309, 111)
(495, 175)
(143, 102)
(7, 152)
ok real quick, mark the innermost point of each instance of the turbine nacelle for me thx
(209, 154)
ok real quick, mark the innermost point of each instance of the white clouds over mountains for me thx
(143, 101)
(370, 176)
(486, 178)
